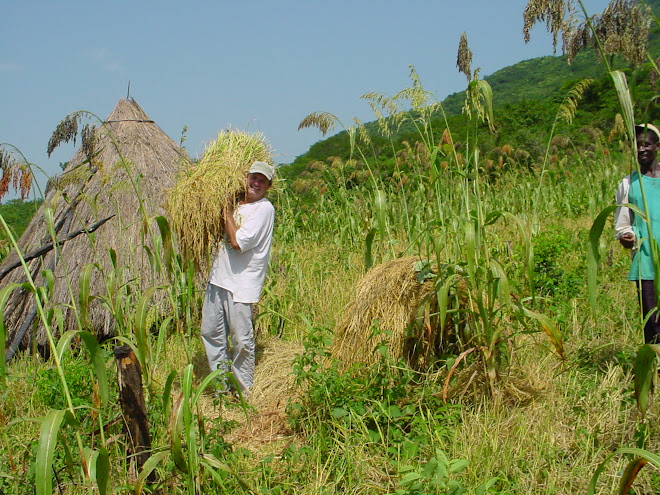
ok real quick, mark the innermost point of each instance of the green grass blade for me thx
(487, 94)
(591, 487)
(148, 468)
(141, 330)
(64, 342)
(162, 336)
(5, 292)
(644, 368)
(167, 392)
(443, 299)
(84, 291)
(215, 463)
(649, 456)
(208, 379)
(47, 441)
(368, 245)
(550, 329)
(166, 236)
(97, 359)
(593, 253)
(630, 474)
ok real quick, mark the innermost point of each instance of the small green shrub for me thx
(553, 250)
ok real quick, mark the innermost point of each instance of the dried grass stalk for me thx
(202, 191)
(390, 295)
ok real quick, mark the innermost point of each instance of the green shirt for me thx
(642, 263)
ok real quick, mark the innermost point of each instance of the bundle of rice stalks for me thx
(392, 307)
(205, 189)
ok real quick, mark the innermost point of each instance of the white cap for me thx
(263, 168)
(648, 127)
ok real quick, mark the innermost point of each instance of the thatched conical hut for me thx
(111, 189)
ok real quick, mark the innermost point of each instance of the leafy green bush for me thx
(553, 250)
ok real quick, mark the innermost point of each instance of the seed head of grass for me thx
(323, 121)
(15, 172)
(464, 57)
(623, 29)
(568, 108)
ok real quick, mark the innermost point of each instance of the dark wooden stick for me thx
(132, 403)
(49, 246)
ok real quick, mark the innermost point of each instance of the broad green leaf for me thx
(91, 456)
(625, 100)
(380, 203)
(84, 283)
(141, 320)
(470, 250)
(593, 253)
(64, 342)
(528, 248)
(409, 478)
(644, 369)
(162, 335)
(503, 291)
(338, 412)
(443, 299)
(176, 430)
(166, 236)
(103, 472)
(97, 359)
(458, 465)
(47, 441)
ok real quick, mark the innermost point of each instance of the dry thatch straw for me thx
(201, 193)
(128, 145)
(388, 297)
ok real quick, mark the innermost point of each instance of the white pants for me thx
(222, 318)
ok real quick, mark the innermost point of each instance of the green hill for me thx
(526, 97)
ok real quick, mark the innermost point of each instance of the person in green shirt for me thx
(632, 231)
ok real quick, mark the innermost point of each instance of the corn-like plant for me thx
(189, 442)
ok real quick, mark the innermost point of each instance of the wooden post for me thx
(136, 426)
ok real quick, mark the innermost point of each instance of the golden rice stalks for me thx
(201, 193)
(388, 296)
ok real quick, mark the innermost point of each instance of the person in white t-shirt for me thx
(237, 277)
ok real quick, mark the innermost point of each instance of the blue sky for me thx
(254, 66)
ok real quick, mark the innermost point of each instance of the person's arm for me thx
(623, 217)
(231, 228)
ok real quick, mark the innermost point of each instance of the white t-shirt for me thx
(243, 272)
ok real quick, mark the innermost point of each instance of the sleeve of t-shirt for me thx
(255, 227)
(623, 215)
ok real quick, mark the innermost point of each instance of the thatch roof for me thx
(130, 149)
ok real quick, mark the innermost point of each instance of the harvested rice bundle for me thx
(202, 192)
(389, 294)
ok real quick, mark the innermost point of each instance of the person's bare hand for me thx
(627, 240)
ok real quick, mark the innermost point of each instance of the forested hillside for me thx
(526, 97)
